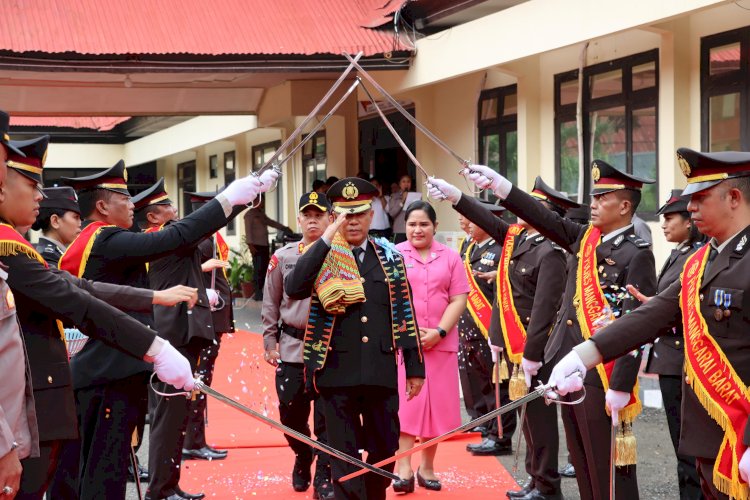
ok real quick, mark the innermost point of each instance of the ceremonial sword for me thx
(540, 391)
(365, 467)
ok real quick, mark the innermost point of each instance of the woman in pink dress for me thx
(439, 291)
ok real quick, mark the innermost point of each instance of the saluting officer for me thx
(480, 254)
(213, 251)
(284, 324)
(43, 295)
(708, 300)
(351, 343)
(110, 387)
(59, 220)
(609, 256)
(531, 280)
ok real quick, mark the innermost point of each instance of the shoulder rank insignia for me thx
(539, 238)
(618, 240)
(741, 244)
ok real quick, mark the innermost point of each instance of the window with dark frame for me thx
(314, 160)
(213, 166)
(230, 174)
(620, 125)
(725, 91)
(498, 135)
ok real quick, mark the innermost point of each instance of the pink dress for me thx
(436, 410)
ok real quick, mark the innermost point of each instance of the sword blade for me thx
(518, 439)
(536, 393)
(497, 399)
(406, 114)
(136, 473)
(612, 460)
(365, 467)
(293, 136)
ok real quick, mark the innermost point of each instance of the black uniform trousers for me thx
(167, 432)
(705, 468)
(38, 471)
(542, 439)
(361, 417)
(588, 433)
(195, 435)
(261, 258)
(107, 416)
(687, 475)
(294, 412)
(64, 484)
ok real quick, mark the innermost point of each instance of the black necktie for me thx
(357, 253)
(711, 256)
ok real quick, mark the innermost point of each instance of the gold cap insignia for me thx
(313, 197)
(350, 191)
(595, 173)
(684, 165)
(125, 174)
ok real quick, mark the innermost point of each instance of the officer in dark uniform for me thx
(667, 354)
(620, 258)
(111, 388)
(350, 355)
(59, 220)
(41, 296)
(195, 445)
(536, 273)
(474, 356)
(717, 364)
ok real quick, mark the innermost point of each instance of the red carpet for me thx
(259, 463)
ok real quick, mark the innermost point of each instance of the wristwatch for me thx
(442, 332)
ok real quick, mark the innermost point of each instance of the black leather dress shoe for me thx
(218, 452)
(535, 494)
(143, 474)
(480, 429)
(323, 491)
(404, 485)
(301, 475)
(202, 454)
(525, 490)
(189, 496)
(490, 447)
(567, 471)
(177, 496)
(428, 484)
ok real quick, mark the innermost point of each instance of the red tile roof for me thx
(100, 123)
(215, 27)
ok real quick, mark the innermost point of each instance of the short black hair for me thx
(424, 207)
(332, 180)
(632, 195)
(43, 220)
(87, 200)
(317, 184)
(741, 183)
(141, 215)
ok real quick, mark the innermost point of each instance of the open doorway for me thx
(379, 153)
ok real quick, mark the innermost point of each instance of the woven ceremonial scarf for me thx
(590, 302)
(715, 381)
(479, 307)
(321, 319)
(77, 255)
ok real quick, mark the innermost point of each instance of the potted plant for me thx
(241, 273)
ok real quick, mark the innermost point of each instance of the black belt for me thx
(297, 333)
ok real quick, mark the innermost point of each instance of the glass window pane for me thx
(320, 145)
(510, 105)
(569, 92)
(644, 76)
(511, 156)
(569, 158)
(604, 84)
(644, 155)
(307, 149)
(724, 122)
(489, 109)
(491, 151)
(725, 58)
(608, 129)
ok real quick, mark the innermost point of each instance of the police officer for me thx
(707, 301)
(106, 250)
(284, 323)
(535, 274)
(59, 220)
(213, 250)
(613, 257)
(43, 295)
(351, 344)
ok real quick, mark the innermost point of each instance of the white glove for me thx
(616, 401)
(561, 378)
(268, 179)
(530, 369)
(484, 177)
(745, 466)
(496, 350)
(244, 190)
(213, 297)
(441, 190)
(173, 368)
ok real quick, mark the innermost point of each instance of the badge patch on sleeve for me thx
(272, 264)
